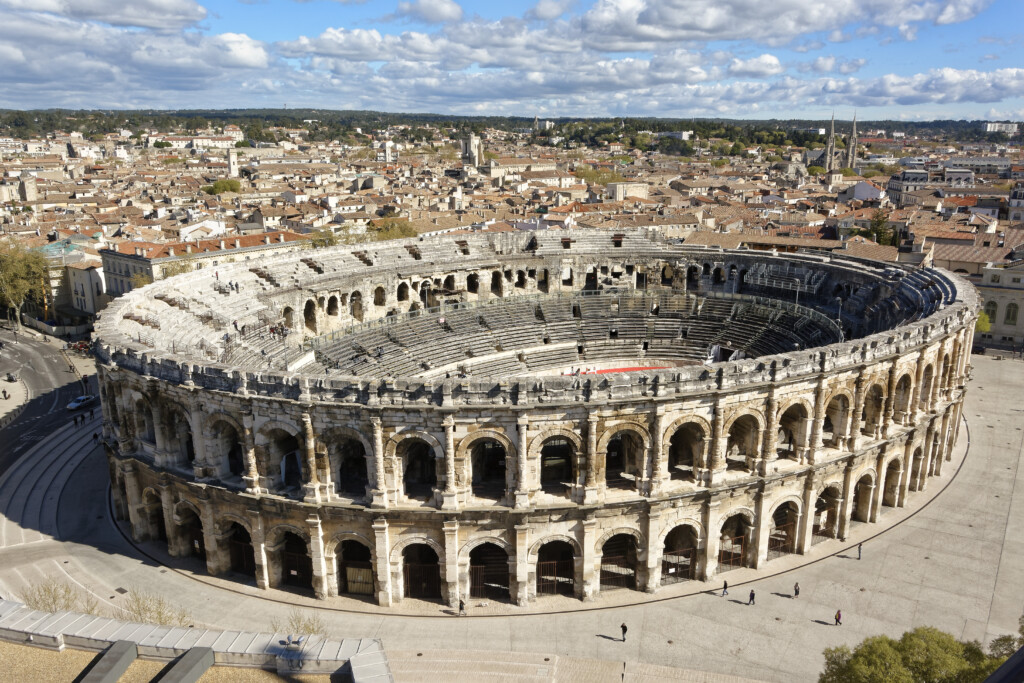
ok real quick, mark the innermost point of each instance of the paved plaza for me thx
(956, 563)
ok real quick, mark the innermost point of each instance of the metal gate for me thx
(731, 553)
(297, 568)
(617, 572)
(422, 580)
(355, 578)
(782, 540)
(556, 577)
(489, 581)
(822, 532)
(243, 559)
(679, 565)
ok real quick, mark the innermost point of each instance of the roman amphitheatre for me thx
(509, 417)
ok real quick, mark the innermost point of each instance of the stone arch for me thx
(806, 404)
(903, 395)
(465, 443)
(186, 504)
(403, 291)
(213, 418)
(611, 431)
(350, 478)
(332, 543)
(472, 543)
(274, 461)
(792, 498)
(289, 316)
(703, 422)
(178, 432)
(625, 464)
(697, 526)
(637, 535)
(355, 305)
(745, 512)
(792, 427)
(276, 533)
(222, 523)
(751, 412)
(743, 447)
(538, 441)
(395, 555)
(380, 296)
(873, 412)
(144, 419)
(333, 306)
(309, 316)
(577, 549)
(391, 447)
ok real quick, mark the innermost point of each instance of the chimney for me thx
(188, 248)
(280, 237)
(138, 251)
(238, 243)
(266, 239)
(170, 251)
(222, 244)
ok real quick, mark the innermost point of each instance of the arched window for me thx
(991, 308)
(1011, 314)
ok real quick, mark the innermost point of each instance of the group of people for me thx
(79, 419)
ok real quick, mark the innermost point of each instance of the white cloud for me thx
(546, 10)
(756, 67)
(155, 14)
(431, 11)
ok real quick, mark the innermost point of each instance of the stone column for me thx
(311, 488)
(449, 499)
(936, 393)
(174, 540)
(203, 467)
(713, 542)
(134, 502)
(379, 493)
(658, 463)
(805, 523)
(591, 487)
(819, 421)
(259, 551)
(523, 590)
(915, 396)
(654, 550)
(879, 492)
(907, 470)
(588, 582)
(160, 455)
(252, 476)
(771, 432)
(382, 562)
(522, 494)
(927, 457)
(450, 586)
(855, 414)
(890, 402)
(316, 553)
(719, 441)
(846, 507)
(218, 559)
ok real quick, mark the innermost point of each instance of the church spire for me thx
(830, 146)
(851, 144)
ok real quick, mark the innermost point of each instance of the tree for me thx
(1004, 646)
(925, 654)
(23, 275)
(391, 229)
(880, 230)
(815, 170)
(982, 324)
(161, 144)
(242, 143)
(323, 237)
(184, 264)
(223, 185)
(847, 172)
(141, 280)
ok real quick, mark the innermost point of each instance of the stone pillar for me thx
(657, 467)
(588, 580)
(762, 531)
(654, 550)
(174, 539)
(449, 499)
(379, 493)
(450, 585)
(936, 393)
(203, 467)
(713, 542)
(311, 488)
(522, 589)
(218, 559)
(814, 447)
(805, 523)
(945, 445)
(522, 495)
(879, 492)
(855, 414)
(927, 456)
(905, 471)
(134, 502)
(719, 441)
(252, 477)
(160, 457)
(890, 402)
(591, 487)
(846, 506)
(915, 397)
(769, 439)
(316, 553)
(382, 564)
(259, 552)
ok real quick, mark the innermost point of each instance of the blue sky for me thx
(901, 59)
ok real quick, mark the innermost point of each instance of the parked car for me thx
(82, 402)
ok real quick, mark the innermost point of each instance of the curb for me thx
(16, 413)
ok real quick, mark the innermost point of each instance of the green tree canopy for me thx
(161, 144)
(23, 275)
(982, 324)
(323, 237)
(390, 229)
(223, 185)
(880, 230)
(815, 170)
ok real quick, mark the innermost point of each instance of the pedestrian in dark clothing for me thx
(623, 627)
(74, 420)
(91, 411)
(95, 437)
(462, 608)
(751, 600)
(796, 590)
(859, 546)
(235, 323)
(839, 618)
(725, 588)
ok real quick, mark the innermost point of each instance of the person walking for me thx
(624, 629)
(839, 617)
(859, 546)
(462, 608)
(751, 600)
(725, 588)
(95, 437)
(796, 590)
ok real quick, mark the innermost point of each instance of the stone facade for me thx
(509, 486)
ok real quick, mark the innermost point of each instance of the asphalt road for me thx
(50, 385)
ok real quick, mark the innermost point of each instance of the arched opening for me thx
(403, 291)
(496, 283)
(419, 469)
(473, 283)
(901, 399)
(733, 542)
(379, 296)
(679, 559)
(488, 572)
(556, 465)
(521, 279)
(1010, 317)
(240, 551)
(332, 306)
(692, 275)
(590, 279)
(296, 564)
(190, 531)
(862, 495)
(686, 451)
(350, 456)
(283, 462)
(289, 317)
(792, 433)
(837, 416)
(915, 468)
(487, 459)
(355, 306)
(556, 569)
(719, 276)
(153, 512)
(619, 562)
(449, 283)
(732, 272)
(421, 572)
(178, 437)
(991, 310)
(826, 515)
(144, 422)
(227, 444)
(309, 316)
(706, 270)
(874, 408)
(924, 401)
(891, 491)
(743, 444)
(543, 284)
(355, 570)
(623, 460)
(782, 535)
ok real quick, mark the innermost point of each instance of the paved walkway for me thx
(956, 563)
